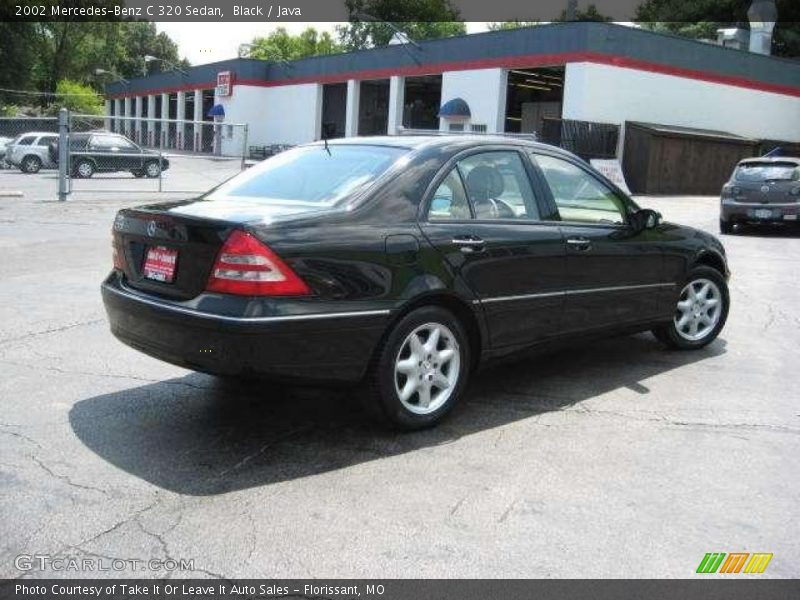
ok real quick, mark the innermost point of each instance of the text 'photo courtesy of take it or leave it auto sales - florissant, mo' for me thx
(602, 90)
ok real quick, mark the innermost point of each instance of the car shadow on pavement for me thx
(198, 436)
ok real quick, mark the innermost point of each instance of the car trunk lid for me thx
(190, 233)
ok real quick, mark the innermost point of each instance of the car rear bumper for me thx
(313, 347)
(784, 212)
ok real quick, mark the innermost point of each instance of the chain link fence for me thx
(138, 154)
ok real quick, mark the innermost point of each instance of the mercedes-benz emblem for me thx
(765, 188)
(151, 228)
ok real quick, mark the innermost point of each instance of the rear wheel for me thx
(152, 169)
(84, 169)
(700, 313)
(31, 164)
(725, 226)
(420, 371)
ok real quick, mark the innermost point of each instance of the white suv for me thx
(30, 151)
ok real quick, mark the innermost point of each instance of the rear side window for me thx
(47, 139)
(767, 171)
(449, 201)
(498, 186)
(311, 175)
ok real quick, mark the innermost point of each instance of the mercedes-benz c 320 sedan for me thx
(402, 263)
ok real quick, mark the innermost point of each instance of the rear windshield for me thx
(767, 171)
(311, 174)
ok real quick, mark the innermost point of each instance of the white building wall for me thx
(610, 94)
(485, 92)
(290, 114)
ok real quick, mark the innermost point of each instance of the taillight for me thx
(247, 267)
(116, 255)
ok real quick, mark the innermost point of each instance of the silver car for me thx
(31, 152)
(760, 191)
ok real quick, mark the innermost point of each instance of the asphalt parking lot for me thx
(608, 459)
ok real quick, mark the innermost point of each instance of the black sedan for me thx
(402, 263)
(104, 152)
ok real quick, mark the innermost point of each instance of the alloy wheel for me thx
(699, 309)
(427, 368)
(153, 169)
(85, 170)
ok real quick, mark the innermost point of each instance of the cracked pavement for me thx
(604, 459)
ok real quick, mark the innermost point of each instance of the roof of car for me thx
(428, 141)
(771, 159)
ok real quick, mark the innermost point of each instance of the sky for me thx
(202, 43)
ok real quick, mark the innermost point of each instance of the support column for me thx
(197, 144)
(397, 92)
(151, 120)
(180, 129)
(137, 124)
(126, 124)
(351, 110)
(107, 122)
(164, 143)
(118, 112)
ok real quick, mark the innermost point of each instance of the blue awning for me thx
(455, 108)
(217, 111)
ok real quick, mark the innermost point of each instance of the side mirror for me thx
(645, 218)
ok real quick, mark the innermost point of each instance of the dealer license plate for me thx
(159, 265)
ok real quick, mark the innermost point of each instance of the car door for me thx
(615, 274)
(128, 155)
(43, 149)
(483, 215)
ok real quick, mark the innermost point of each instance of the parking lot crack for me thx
(21, 436)
(67, 479)
(34, 334)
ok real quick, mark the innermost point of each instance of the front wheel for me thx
(84, 169)
(152, 169)
(31, 164)
(700, 313)
(420, 371)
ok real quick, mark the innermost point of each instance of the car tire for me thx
(152, 169)
(725, 227)
(697, 322)
(137, 173)
(84, 169)
(30, 165)
(414, 379)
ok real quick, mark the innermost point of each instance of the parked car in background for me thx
(30, 151)
(761, 190)
(4, 142)
(402, 263)
(105, 152)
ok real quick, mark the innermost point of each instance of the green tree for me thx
(17, 58)
(419, 19)
(78, 98)
(700, 19)
(590, 14)
(281, 45)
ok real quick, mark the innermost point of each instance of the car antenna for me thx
(325, 139)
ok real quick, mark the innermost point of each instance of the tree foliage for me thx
(418, 19)
(281, 45)
(700, 19)
(38, 55)
(502, 25)
(78, 98)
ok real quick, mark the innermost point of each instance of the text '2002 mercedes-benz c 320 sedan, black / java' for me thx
(402, 263)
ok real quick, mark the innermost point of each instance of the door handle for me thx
(469, 244)
(580, 244)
